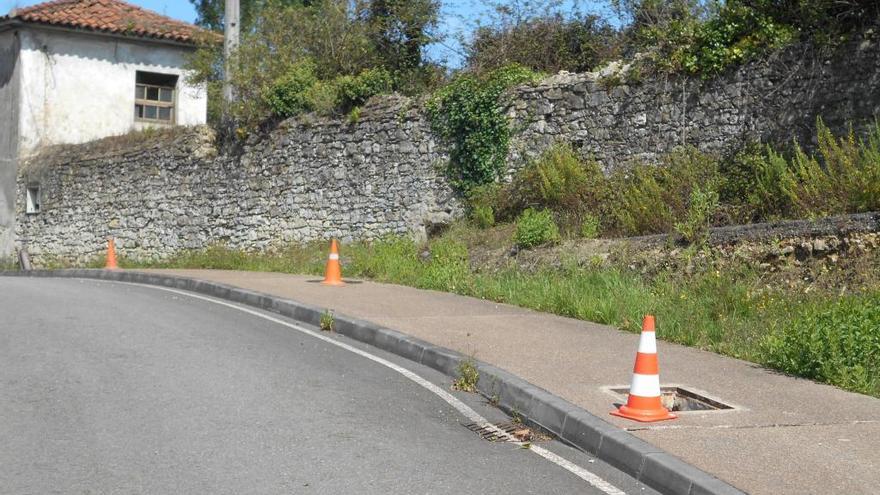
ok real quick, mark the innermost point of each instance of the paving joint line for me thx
(569, 423)
(751, 427)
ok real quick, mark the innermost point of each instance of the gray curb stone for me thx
(571, 424)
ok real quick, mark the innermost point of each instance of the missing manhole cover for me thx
(682, 399)
(507, 432)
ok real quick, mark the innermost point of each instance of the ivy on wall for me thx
(467, 115)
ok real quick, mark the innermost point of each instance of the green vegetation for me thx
(467, 115)
(705, 38)
(835, 342)
(327, 321)
(468, 376)
(690, 191)
(536, 228)
(543, 38)
(326, 56)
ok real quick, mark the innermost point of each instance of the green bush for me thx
(561, 181)
(545, 43)
(844, 177)
(700, 214)
(466, 114)
(536, 228)
(590, 227)
(354, 91)
(289, 94)
(651, 199)
(838, 343)
(482, 202)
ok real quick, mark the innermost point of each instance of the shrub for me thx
(482, 201)
(467, 115)
(561, 181)
(289, 94)
(650, 199)
(590, 227)
(536, 228)
(700, 213)
(483, 216)
(546, 43)
(836, 342)
(354, 91)
(844, 177)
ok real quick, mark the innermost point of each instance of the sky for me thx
(456, 17)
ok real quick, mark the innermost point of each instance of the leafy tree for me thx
(211, 12)
(546, 44)
(400, 30)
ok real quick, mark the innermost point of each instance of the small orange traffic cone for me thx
(333, 272)
(111, 255)
(643, 403)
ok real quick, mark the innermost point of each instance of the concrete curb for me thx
(571, 424)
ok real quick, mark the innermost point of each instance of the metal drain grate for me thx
(503, 432)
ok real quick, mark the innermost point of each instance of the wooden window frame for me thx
(144, 102)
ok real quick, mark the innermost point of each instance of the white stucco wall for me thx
(80, 87)
(9, 95)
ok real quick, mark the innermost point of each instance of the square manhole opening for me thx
(682, 399)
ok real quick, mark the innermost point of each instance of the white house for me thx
(73, 71)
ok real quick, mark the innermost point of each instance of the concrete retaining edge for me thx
(570, 423)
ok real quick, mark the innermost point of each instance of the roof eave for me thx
(8, 23)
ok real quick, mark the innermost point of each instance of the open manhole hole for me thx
(507, 432)
(681, 399)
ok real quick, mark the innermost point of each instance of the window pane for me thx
(153, 94)
(166, 94)
(165, 113)
(150, 112)
(139, 111)
(140, 92)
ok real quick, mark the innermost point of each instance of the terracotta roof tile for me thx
(111, 16)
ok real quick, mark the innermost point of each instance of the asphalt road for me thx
(115, 388)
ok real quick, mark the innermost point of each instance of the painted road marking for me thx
(460, 406)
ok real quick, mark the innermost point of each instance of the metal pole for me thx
(232, 20)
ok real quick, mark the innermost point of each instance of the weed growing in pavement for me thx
(468, 376)
(515, 416)
(327, 321)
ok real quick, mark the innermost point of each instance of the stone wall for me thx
(317, 178)
(774, 100)
(305, 180)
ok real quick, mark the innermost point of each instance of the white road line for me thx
(460, 406)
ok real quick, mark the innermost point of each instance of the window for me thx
(154, 97)
(33, 200)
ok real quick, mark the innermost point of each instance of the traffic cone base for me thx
(644, 409)
(643, 403)
(333, 272)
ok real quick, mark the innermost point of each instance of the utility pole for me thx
(232, 25)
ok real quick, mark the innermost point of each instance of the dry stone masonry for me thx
(312, 178)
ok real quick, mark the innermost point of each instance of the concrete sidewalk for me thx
(785, 435)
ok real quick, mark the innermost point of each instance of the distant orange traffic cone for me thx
(333, 272)
(643, 403)
(111, 255)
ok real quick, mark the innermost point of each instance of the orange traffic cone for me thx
(333, 272)
(111, 255)
(644, 403)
